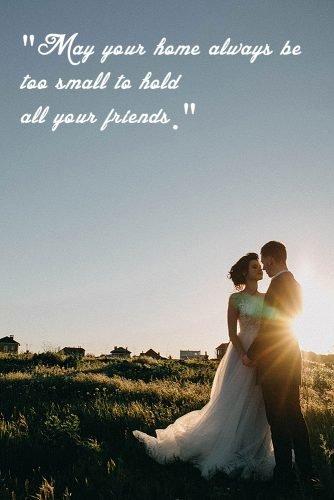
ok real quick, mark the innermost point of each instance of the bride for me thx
(231, 432)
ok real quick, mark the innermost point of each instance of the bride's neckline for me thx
(251, 294)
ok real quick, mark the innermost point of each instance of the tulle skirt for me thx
(230, 433)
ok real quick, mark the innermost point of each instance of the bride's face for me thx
(254, 271)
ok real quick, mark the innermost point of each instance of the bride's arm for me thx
(232, 320)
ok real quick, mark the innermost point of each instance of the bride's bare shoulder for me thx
(235, 298)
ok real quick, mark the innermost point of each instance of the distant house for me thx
(193, 355)
(152, 354)
(120, 352)
(8, 344)
(73, 351)
(221, 349)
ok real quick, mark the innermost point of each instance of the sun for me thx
(314, 328)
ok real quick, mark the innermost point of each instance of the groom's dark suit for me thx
(277, 355)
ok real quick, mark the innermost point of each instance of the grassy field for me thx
(65, 428)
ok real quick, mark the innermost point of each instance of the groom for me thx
(276, 354)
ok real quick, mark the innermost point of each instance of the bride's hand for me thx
(246, 361)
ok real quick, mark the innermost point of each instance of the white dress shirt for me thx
(281, 272)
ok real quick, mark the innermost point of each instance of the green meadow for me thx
(65, 428)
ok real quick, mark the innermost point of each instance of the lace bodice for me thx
(250, 312)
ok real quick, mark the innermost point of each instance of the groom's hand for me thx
(246, 361)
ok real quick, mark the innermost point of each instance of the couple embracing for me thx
(253, 421)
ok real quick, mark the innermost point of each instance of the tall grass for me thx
(65, 428)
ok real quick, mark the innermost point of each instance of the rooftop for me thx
(9, 340)
(120, 349)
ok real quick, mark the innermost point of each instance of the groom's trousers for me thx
(288, 428)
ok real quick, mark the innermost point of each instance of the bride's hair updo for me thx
(238, 272)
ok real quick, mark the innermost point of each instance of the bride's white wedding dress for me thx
(230, 432)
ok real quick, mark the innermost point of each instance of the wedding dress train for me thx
(230, 432)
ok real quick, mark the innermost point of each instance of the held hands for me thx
(246, 361)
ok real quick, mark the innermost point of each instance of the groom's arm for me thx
(290, 299)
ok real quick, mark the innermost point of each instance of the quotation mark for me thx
(192, 108)
(31, 40)
(186, 109)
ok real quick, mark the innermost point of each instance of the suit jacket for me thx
(275, 349)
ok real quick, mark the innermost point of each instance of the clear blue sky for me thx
(126, 237)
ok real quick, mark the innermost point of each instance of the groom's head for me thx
(273, 257)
